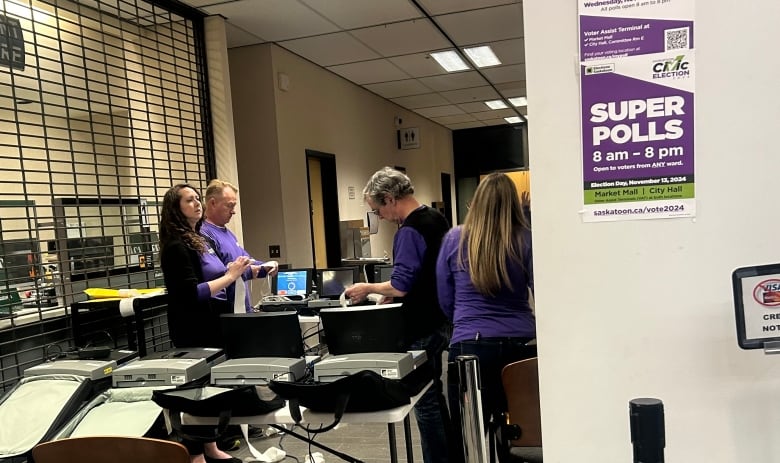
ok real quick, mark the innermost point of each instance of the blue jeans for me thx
(431, 410)
(493, 354)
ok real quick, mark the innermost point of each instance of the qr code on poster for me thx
(677, 39)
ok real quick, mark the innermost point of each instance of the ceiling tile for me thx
(499, 23)
(439, 111)
(418, 65)
(509, 51)
(276, 19)
(516, 88)
(470, 95)
(453, 81)
(465, 125)
(351, 14)
(474, 107)
(435, 7)
(369, 72)
(201, 3)
(503, 74)
(495, 114)
(421, 101)
(330, 49)
(402, 38)
(454, 119)
(237, 37)
(398, 88)
(512, 89)
(496, 122)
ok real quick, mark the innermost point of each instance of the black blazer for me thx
(191, 323)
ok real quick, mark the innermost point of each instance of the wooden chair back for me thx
(110, 449)
(521, 385)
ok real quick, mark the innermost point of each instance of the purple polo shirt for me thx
(507, 314)
(227, 250)
(213, 268)
(408, 252)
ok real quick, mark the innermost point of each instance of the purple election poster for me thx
(637, 68)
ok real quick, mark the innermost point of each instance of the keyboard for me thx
(283, 306)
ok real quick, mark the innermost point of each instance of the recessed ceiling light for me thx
(482, 56)
(496, 104)
(450, 61)
(519, 101)
(513, 120)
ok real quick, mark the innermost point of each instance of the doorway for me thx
(323, 209)
(446, 196)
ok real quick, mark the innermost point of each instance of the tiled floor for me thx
(367, 443)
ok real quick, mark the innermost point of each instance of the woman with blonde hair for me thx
(483, 274)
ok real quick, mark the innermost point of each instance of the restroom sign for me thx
(408, 138)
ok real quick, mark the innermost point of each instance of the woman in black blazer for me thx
(196, 280)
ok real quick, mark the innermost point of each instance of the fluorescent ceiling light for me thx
(513, 120)
(496, 104)
(519, 101)
(482, 56)
(450, 61)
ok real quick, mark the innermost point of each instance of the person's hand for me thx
(525, 199)
(271, 267)
(237, 268)
(357, 292)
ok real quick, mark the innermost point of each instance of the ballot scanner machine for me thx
(47, 396)
(260, 347)
(127, 409)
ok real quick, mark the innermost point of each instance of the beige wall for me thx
(645, 308)
(222, 109)
(323, 112)
(256, 143)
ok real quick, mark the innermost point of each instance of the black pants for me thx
(493, 354)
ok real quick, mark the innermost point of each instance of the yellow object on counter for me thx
(105, 293)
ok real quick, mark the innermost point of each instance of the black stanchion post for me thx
(647, 430)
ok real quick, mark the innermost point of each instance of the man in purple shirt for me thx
(220, 205)
(390, 195)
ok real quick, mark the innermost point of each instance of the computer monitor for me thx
(376, 328)
(276, 334)
(20, 262)
(91, 253)
(293, 282)
(382, 272)
(331, 282)
(372, 222)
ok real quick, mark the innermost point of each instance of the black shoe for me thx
(222, 460)
(229, 444)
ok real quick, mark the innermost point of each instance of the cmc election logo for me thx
(767, 293)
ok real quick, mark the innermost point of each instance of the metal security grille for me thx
(102, 109)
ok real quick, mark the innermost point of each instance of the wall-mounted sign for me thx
(11, 43)
(408, 138)
(757, 305)
(637, 72)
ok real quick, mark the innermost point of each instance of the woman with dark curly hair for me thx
(195, 279)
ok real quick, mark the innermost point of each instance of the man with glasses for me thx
(390, 195)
